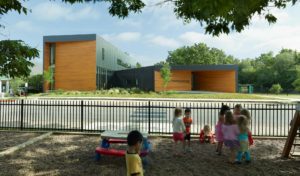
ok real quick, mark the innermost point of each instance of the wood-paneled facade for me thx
(215, 80)
(180, 80)
(82, 62)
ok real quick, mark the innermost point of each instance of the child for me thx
(219, 134)
(243, 140)
(230, 132)
(206, 136)
(178, 129)
(187, 120)
(237, 111)
(133, 161)
(246, 113)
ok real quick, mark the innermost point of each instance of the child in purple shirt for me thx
(230, 135)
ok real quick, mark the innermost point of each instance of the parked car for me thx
(22, 91)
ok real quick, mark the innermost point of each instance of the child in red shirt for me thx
(187, 120)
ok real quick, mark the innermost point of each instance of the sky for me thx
(150, 35)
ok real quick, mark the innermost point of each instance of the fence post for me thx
(81, 115)
(22, 113)
(149, 117)
(292, 133)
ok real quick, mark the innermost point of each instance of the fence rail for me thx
(268, 118)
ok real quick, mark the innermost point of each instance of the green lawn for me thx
(152, 95)
(285, 96)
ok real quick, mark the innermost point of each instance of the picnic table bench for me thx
(118, 137)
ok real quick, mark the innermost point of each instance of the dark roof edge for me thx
(69, 38)
(147, 67)
(201, 67)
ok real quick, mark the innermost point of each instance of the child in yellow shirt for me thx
(133, 160)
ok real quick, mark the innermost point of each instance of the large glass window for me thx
(52, 54)
(103, 54)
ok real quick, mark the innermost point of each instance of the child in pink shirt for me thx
(230, 135)
(219, 134)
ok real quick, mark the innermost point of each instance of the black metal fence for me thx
(155, 116)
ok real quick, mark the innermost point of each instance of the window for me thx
(52, 65)
(123, 64)
(52, 54)
(103, 54)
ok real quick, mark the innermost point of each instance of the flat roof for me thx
(201, 67)
(69, 38)
(191, 67)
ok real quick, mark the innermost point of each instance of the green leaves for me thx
(12, 5)
(119, 8)
(221, 16)
(15, 58)
(276, 88)
(267, 70)
(49, 75)
(198, 54)
(165, 73)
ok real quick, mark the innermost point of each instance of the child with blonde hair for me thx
(206, 136)
(243, 140)
(246, 113)
(218, 131)
(178, 130)
(230, 134)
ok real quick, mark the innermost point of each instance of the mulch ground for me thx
(9, 139)
(74, 155)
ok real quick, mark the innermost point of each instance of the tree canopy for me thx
(267, 69)
(15, 58)
(217, 16)
(199, 54)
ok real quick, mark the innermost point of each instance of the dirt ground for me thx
(10, 139)
(74, 155)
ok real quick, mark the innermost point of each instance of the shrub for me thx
(276, 88)
(296, 84)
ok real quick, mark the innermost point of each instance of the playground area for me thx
(75, 155)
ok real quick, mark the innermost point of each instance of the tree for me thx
(198, 54)
(296, 84)
(16, 83)
(138, 65)
(276, 88)
(15, 58)
(165, 73)
(49, 77)
(35, 83)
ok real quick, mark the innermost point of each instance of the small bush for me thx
(276, 88)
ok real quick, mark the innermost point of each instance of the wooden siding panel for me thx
(218, 81)
(180, 81)
(75, 65)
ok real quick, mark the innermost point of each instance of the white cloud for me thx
(125, 36)
(165, 42)
(51, 11)
(25, 26)
(129, 36)
(127, 22)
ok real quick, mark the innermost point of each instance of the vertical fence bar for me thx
(149, 117)
(22, 114)
(81, 115)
